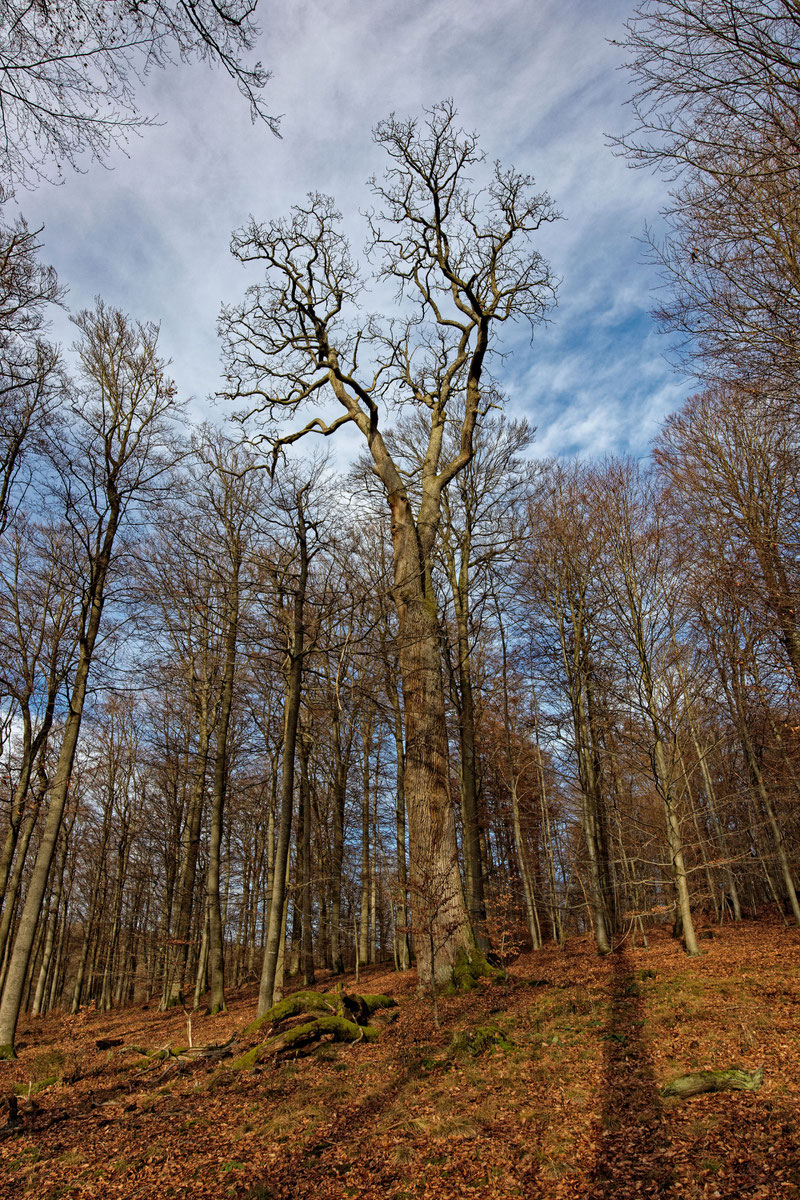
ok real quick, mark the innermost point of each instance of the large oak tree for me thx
(461, 259)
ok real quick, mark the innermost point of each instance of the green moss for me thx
(732, 1079)
(7, 1051)
(293, 1006)
(23, 1089)
(374, 1003)
(478, 1041)
(339, 1029)
(246, 1062)
(469, 968)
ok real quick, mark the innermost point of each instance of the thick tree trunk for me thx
(473, 863)
(439, 914)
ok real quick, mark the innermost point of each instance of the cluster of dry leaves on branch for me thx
(545, 1087)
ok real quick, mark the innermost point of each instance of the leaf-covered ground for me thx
(545, 1087)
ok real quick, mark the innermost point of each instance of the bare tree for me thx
(561, 578)
(716, 109)
(119, 447)
(463, 264)
(732, 461)
(70, 70)
(31, 381)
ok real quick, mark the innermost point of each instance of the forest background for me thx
(249, 728)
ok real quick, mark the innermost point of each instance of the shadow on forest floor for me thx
(633, 1150)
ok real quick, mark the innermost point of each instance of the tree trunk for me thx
(363, 925)
(439, 911)
(473, 863)
(182, 922)
(306, 907)
(402, 947)
(216, 961)
(291, 717)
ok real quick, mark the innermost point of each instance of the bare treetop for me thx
(712, 75)
(69, 71)
(445, 239)
(462, 258)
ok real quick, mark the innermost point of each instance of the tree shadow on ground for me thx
(633, 1155)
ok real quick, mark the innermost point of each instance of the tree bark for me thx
(437, 898)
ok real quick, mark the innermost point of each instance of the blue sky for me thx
(539, 81)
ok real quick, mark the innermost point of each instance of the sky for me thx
(149, 231)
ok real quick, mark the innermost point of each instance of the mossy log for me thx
(335, 1017)
(353, 1008)
(734, 1079)
(323, 1029)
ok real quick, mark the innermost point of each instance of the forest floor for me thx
(555, 1095)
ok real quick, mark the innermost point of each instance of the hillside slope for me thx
(545, 1087)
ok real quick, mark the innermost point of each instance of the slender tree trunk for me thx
(182, 922)
(216, 962)
(13, 888)
(519, 841)
(306, 908)
(363, 925)
(50, 935)
(337, 849)
(777, 833)
(291, 717)
(402, 947)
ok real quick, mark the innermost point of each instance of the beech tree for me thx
(561, 578)
(730, 456)
(462, 262)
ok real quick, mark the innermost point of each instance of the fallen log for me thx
(305, 1020)
(734, 1079)
(353, 1008)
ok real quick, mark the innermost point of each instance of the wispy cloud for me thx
(539, 82)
